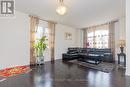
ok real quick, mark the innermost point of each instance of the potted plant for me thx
(40, 47)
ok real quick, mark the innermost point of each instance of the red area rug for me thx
(14, 71)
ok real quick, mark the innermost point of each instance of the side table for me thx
(122, 55)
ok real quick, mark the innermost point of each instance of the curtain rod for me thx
(42, 19)
(102, 24)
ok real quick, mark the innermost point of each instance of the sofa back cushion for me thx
(99, 51)
(73, 50)
(89, 51)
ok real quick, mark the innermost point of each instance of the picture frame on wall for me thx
(68, 36)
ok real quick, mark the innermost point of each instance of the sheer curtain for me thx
(84, 38)
(97, 36)
(51, 27)
(101, 36)
(112, 37)
(34, 21)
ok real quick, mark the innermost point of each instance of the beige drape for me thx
(112, 38)
(34, 21)
(51, 27)
(84, 38)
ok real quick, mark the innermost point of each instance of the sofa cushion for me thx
(72, 52)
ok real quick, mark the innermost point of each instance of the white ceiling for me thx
(80, 14)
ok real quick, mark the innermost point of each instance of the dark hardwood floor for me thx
(59, 74)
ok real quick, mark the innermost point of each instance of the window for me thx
(90, 39)
(40, 33)
(98, 37)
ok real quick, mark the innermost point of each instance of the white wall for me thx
(128, 37)
(122, 25)
(14, 40)
(62, 44)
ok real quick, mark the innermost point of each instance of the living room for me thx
(93, 31)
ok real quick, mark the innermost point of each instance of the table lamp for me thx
(122, 45)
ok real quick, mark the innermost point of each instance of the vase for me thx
(40, 60)
(122, 49)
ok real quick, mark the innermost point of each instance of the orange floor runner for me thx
(14, 71)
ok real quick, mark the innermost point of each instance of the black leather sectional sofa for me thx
(76, 53)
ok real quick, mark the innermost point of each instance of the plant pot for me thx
(40, 60)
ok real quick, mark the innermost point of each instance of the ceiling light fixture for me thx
(61, 9)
